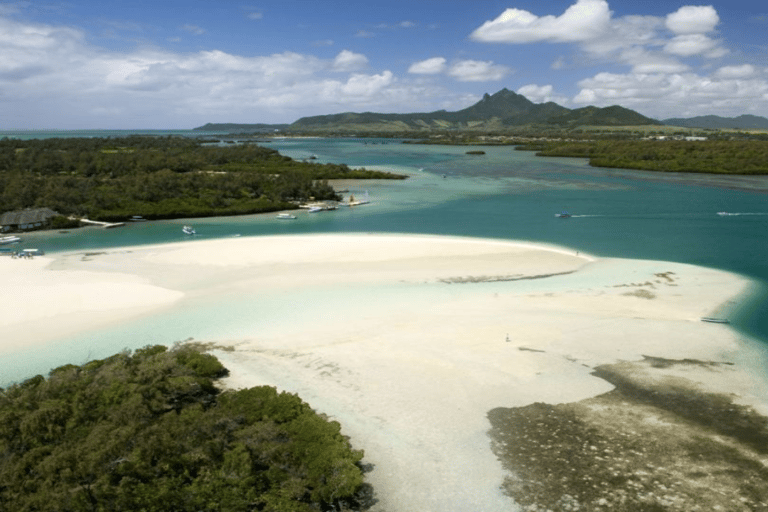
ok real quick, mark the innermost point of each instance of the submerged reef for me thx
(656, 442)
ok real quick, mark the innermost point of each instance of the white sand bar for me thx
(408, 341)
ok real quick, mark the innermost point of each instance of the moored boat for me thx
(285, 216)
(11, 239)
(188, 230)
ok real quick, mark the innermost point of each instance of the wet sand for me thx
(418, 338)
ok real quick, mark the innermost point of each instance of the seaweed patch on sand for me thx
(658, 441)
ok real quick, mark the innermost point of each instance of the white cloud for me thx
(255, 15)
(692, 19)
(662, 95)
(584, 20)
(366, 86)
(365, 34)
(743, 71)
(462, 70)
(431, 66)
(690, 44)
(193, 29)
(477, 71)
(645, 61)
(349, 61)
(542, 94)
(644, 43)
(628, 33)
(51, 77)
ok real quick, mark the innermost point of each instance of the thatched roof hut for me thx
(31, 218)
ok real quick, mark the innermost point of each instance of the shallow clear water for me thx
(504, 194)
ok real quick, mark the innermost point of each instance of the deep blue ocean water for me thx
(508, 194)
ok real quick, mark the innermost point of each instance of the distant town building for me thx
(25, 220)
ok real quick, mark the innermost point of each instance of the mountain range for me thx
(745, 122)
(502, 110)
(498, 112)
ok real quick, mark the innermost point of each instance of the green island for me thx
(739, 154)
(113, 179)
(150, 431)
(613, 136)
(705, 156)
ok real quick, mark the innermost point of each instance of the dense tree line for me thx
(712, 156)
(159, 177)
(149, 431)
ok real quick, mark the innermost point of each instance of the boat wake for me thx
(731, 214)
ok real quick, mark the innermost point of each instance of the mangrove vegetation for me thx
(112, 179)
(709, 156)
(150, 431)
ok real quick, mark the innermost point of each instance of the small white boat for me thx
(562, 215)
(189, 230)
(9, 240)
(285, 216)
(315, 209)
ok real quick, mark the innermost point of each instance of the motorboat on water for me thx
(319, 206)
(285, 216)
(563, 215)
(189, 230)
(4, 240)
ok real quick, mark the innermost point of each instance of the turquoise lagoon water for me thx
(504, 194)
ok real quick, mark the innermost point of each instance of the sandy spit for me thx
(418, 339)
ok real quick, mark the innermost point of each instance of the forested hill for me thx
(502, 110)
(113, 179)
(745, 122)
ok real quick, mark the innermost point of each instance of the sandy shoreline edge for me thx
(422, 336)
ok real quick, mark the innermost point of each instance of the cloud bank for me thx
(585, 20)
(671, 65)
(461, 70)
(670, 62)
(50, 77)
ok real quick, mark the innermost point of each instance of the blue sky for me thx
(173, 64)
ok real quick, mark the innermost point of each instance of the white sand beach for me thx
(408, 340)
